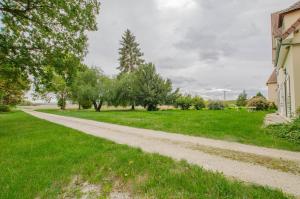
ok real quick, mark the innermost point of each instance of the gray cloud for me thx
(201, 45)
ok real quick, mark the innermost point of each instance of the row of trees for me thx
(138, 83)
(142, 87)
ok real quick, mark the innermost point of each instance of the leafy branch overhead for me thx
(36, 34)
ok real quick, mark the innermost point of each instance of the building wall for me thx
(288, 76)
(296, 72)
(272, 93)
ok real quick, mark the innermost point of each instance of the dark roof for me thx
(272, 78)
(276, 30)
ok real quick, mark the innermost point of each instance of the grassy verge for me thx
(40, 159)
(239, 126)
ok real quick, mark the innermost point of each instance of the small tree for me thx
(260, 103)
(151, 88)
(130, 53)
(198, 103)
(215, 105)
(62, 91)
(242, 99)
(92, 86)
(125, 93)
(184, 102)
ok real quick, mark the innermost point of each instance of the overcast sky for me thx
(203, 46)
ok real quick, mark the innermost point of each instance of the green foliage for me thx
(12, 90)
(198, 103)
(290, 131)
(125, 90)
(260, 103)
(61, 102)
(272, 106)
(92, 86)
(4, 108)
(130, 53)
(151, 88)
(215, 105)
(172, 97)
(259, 94)
(85, 103)
(242, 99)
(38, 35)
(184, 102)
(298, 111)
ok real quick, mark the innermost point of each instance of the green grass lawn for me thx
(39, 159)
(239, 126)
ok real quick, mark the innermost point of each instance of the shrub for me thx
(298, 111)
(260, 103)
(184, 102)
(290, 132)
(198, 103)
(215, 105)
(272, 106)
(86, 104)
(4, 108)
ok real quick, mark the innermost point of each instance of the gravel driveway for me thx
(179, 147)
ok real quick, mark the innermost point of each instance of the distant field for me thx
(239, 126)
(39, 159)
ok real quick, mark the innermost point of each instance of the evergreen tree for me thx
(242, 99)
(259, 94)
(130, 53)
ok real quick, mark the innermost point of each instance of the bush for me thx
(290, 132)
(272, 106)
(184, 102)
(260, 103)
(86, 104)
(4, 108)
(198, 103)
(298, 111)
(215, 105)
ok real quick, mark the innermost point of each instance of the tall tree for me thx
(37, 34)
(152, 89)
(130, 53)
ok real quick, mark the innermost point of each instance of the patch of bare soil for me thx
(85, 190)
(80, 189)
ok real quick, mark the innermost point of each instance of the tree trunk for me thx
(132, 107)
(79, 106)
(97, 106)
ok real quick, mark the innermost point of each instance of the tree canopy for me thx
(152, 89)
(36, 35)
